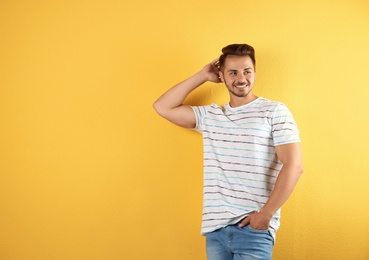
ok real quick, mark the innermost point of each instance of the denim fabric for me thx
(235, 243)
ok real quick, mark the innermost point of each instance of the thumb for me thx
(245, 222)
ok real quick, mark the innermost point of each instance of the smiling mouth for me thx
(240, 86)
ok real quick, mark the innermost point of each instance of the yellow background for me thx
(89, 171)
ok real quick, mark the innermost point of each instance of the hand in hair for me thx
(211, 71)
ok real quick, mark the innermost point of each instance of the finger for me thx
(244, 222)
(215, 64)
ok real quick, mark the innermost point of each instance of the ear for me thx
(221, 77)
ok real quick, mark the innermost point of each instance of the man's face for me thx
(238, 75)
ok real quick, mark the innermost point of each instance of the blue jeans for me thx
(235, 243)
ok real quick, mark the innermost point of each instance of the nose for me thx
(241, 78)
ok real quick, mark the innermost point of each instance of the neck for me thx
(240, 101)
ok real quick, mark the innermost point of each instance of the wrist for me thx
(267, 212)
(202, 76)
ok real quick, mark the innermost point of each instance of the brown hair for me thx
(238, 50)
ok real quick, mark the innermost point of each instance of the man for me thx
(252, 157)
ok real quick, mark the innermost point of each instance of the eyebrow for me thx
(248, 68)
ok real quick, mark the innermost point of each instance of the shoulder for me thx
(203, 113)
(266, 107)
(264, 102)
(208, 108)
(273, 106)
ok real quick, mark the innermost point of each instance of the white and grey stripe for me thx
(240, 164)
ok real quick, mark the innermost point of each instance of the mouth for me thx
(241, 86)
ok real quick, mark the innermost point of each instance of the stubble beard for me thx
(240, 94)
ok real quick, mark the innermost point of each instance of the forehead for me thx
(238, 62)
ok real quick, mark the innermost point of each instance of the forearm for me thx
(175, 96)
(170, 104)
(284, 185)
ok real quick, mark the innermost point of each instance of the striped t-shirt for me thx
(240, 163)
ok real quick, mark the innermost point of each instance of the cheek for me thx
(250, 78)
(228, 80)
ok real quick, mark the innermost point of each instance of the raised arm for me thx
(170, 106)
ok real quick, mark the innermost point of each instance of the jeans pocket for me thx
(263, 233)
(257, 230)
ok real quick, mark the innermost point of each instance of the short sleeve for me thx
(284, 127)
(200, 112)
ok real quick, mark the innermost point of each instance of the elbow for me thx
(157, 107)
(299, 169)
(160, 109)
(295, 169)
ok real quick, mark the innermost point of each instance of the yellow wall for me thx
(89, 171)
